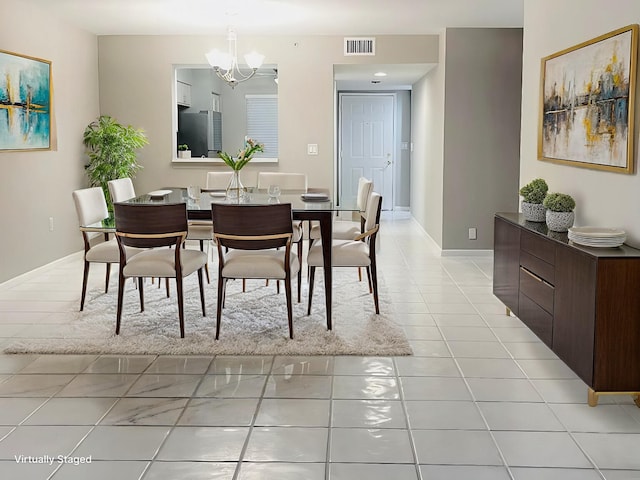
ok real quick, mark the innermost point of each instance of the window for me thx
(262, 123)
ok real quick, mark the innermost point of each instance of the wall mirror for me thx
(211, 117)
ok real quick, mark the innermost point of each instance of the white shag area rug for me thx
(253, 323)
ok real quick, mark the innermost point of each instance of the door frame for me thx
(338, 137)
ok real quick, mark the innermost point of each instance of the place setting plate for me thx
(159, 193)
(602, 237)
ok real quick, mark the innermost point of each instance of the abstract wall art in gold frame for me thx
(25, 103)
(587, 103)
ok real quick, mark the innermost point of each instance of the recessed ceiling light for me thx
(375, 81)
(379, 74)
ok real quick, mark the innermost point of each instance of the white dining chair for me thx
(121, 189)
(358, 252)
(345, 229)
(91, 207)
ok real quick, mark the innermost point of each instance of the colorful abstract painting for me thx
(25, 102)
(587, 103)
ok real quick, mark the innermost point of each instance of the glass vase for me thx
(235, 189)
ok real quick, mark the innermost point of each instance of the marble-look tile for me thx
(41, 440)
(368, 414)
(540, 449)
(33, 385)
(241, 365)
(365, 388)
(120, 364)
(232, 412)
(310, 365)
(177, 364)
(15, 363)
(303, 386)
(98, 385)
(352, 365)
(372, 471)
(204, 444)
(122, 442)
(13, 411)
(281, 471)
(145, 411)
(430, 348)
(545, 473)
(370, 445)
(165, 385)
(444, 415)
(59, 364)
(9, 469)
(490, 368)
(434, 388)
(101, 470)
(71, 411)
(293, 412)
(463, 472)
(190, 470)
(455, 447)
(231, 386)
(287, 444)
(520, 416)
(432, 367)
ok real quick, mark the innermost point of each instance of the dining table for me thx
(315, 204)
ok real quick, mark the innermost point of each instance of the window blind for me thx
(262, 123)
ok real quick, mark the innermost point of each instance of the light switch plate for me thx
(312, 149)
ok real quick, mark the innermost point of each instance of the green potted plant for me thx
(244, 156)
(559, 214)
(183, 151)
(111, 148)
(533, 194)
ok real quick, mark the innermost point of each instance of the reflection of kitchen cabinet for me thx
(183, 93)
(581, 301)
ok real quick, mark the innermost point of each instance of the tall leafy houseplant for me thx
(111, 148)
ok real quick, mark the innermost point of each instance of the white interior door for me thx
(366, 145)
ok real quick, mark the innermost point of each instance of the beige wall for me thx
(427, 167)
(136, 81)
(37, 185)
(602, 198)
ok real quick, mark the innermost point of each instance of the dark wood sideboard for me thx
(583, 302)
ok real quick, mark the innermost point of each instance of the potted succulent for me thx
(559, 214)
(111, 148)
(183, 151)
(533, 194)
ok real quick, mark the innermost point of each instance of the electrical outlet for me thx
(51, 224)
(473, 233)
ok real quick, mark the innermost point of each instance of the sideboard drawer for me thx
(539, 267)
(537, 319)
(538, 246)
(536, 289)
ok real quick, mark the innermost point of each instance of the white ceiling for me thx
(292, 17)
(282, 17)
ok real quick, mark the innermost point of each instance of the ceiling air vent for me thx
(359, 46)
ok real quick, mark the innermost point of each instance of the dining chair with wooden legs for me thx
(150, 227)
(91, 207)
(359, 252)
(348, 230)
(254, 242)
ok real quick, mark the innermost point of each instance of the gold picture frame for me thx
(25, 103)
(587, 103)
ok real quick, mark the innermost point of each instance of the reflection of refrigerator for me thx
(202, 131)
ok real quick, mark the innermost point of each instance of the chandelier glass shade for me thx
(226, 66)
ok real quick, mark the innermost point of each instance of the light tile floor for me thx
(482, 398)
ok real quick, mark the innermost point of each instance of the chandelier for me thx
(225, 64)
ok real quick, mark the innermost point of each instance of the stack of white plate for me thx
(597, 236)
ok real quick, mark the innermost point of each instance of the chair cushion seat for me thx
(297, 231)
(341, 231)
(344, 253)
(108, 252)
(159, 262)
(258, 264)
(200, 231)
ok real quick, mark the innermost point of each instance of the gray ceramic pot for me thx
(559, 221)
(534, 212)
